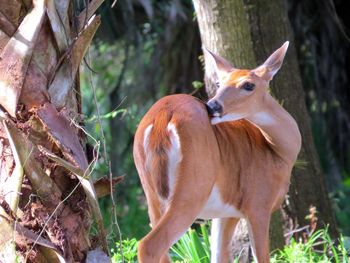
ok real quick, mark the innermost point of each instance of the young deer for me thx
(234, 164)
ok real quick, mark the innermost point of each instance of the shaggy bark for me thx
(46, 205)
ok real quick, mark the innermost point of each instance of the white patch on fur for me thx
(215, 240)
(145, 145)
(262, 118)
(174, 157)
(216, 208)
(251, 240)
(240, 81)
(227, 117)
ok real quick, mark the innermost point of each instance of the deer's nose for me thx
(214, 108)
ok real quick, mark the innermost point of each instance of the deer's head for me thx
(240, 92)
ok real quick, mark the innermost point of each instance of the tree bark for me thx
(246, 32)
(308, 182)
(224, 29)
(45, 213)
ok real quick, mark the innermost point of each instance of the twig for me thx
(106, 157)
(296, 231)
(113, 4)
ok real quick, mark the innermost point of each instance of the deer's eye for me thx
(248, 86)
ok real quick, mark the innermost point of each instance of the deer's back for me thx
(236, 155)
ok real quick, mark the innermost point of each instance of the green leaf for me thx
(109, 115)
(197, 84)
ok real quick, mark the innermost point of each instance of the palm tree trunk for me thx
(47, 205)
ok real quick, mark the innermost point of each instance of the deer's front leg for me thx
(221, 235)
(258, 227)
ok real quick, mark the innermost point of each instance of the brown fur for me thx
(248, 156)
(244, 149)
(159, 144)
(235, 75)
(226, 154)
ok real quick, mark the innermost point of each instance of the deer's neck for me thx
(279, 129)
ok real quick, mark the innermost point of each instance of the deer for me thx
(224, 160)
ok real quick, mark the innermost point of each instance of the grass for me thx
(194, 247)
(318, 248)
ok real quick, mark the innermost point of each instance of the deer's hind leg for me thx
(222, 230)
(178, 217)
(155, 212)
(188, 197)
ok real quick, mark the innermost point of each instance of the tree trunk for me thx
(308, 183)
(246, 32)
(46, 205)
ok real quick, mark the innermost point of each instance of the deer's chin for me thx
(227, 117)
(215, 120)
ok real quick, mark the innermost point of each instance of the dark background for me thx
(146, 49)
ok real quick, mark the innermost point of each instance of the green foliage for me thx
(129, 247)
(109, 115)
(318, 248)
(193, 247)
(197, 84)
(341, 205)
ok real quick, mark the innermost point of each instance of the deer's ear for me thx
(216, 67)
(272, 64)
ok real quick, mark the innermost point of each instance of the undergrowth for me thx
(194, 247)
(318, 248)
